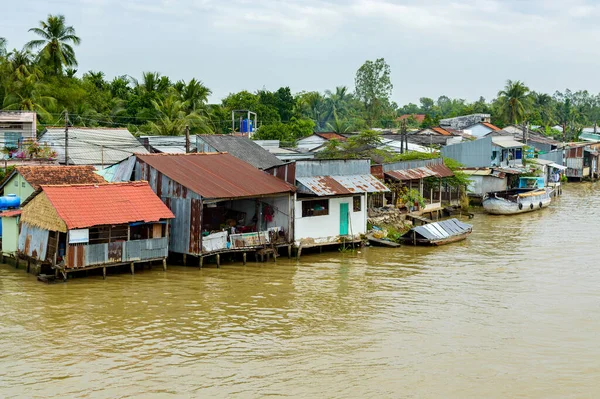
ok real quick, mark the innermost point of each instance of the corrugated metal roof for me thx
(81, 206)
(442, 131)
(340, 185)
(440, 230)
(169, 144)
(477, 172)
(240, 147)
(420, 172)
(506, 142)
(119, 172)
(93, 146)
(216, 175)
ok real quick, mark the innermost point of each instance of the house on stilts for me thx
(89, 226)
(221, 204)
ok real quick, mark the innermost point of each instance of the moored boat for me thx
(438, 233)
(530, 196)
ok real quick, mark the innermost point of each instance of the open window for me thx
(356, 203)
(315, 207)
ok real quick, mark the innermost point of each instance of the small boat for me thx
(530, 196)
(438, 233)
(381, 242)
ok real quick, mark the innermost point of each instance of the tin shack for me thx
(88, 226)
(221, 204)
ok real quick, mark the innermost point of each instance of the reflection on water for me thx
(511, 312)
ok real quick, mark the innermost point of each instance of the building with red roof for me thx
(221, 203)
(84, 226)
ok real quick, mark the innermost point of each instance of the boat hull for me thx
(425, 242)
(530, 202)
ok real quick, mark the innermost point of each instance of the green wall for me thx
(17, 185)
(10, 234)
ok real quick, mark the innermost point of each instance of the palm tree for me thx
(152, 83)
(27, 94)
(173, 118)
(338, 125)
(544, 104)
(515, 101)
(56, 43)
(2, 47)
(194, 94)
(22, 65)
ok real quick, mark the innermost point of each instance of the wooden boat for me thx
(530, 196)
(511, 202)
(380, 242)
(438, 233)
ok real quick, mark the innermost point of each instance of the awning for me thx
(340, 185)
(557, 166)
(439, 170)
(506, 143)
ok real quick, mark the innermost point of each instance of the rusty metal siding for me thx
(153, 248)
(179, 240)
(420, 173)
(33, 241)
(195, 226)
(76, 256)
(116, 252)
(98, 254)
(285, 172)
(377, 171)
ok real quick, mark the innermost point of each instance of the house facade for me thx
(331, 201)
(80, 227)
(480, 129)
(489, 151)
(17, 128)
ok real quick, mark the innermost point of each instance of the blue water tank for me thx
(246, 125)
(9, 201)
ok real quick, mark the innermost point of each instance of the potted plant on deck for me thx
(413, 200)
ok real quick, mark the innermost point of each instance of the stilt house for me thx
(76, 227)
(221, 203)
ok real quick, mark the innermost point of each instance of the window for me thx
(315, 208)
(16, 183)
(356, 203)
(23, 184)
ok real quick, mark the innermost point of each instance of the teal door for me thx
(344, 219)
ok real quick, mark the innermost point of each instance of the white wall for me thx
(480, 185)
(310, 142)
(326, 228)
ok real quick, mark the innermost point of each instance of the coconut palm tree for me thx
(56, 43)
(194, 94)
(515, 101)
(2, 47)
(338, 125)
(27, 94)
(173, 117)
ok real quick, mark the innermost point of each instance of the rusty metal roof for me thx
(216, 175)
(340, 185)
(439, 170)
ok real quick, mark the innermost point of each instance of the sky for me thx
(458, 48)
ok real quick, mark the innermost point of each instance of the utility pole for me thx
(525, 135)
(187, 139)
(102, 155)
(66, 137)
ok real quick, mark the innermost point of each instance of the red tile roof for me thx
(331, 136)
(418, 117)
(216, 175)
(487, 124)
(441, 131)
(82, 206)
(55, 174)
(11, 213)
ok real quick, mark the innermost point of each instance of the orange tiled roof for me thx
(87, 205)
(51, 175)
(487, 124)
(331, 136)
(441, 131)
(418, 117)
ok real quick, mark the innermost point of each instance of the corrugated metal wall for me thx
(472, 154)
(33, 241)
(313, 167)
(405, 165)
(116, 252)
(554, 156)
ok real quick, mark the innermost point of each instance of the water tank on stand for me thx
(10, 201)
(246, 125)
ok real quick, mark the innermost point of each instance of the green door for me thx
(344, 219)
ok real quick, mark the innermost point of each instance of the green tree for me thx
(287, 132)
(193, 94)
(514, 101)
(374, 87)
(338, 125)
(56, 43)
(2, 47)
(173, 117)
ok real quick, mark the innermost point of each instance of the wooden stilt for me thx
(200, 262)
(320, 249)
(104, 272)
(244, 258)
(185, 259)
(165, 264)
(28, 265)
(132, 267)
(218, 260)
(289, 252)
(268, 256)
(298, 253)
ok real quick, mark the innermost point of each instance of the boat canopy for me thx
(440, 230)
(531, 182)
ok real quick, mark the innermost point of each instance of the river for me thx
(513, 311)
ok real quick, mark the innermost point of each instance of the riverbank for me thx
(510, 312)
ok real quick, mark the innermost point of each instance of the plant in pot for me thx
(413, 199)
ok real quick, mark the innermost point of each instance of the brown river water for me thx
(514, 311)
